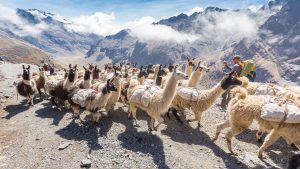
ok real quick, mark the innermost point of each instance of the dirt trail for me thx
(31, 137)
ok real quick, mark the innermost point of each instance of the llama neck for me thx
(67, 84)
(27, 82)
(141, 80)
(215, 92)
(100, 100)
(188, 70)
(194, 79)
(169, 92)
(87, 84)
(155, 73)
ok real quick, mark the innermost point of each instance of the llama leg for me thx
(160, 121)
(151, 125)
(220, 127)
(259, 135)
(175, 113)
(133, 111)
(168, 112)
(270, 139)
(53, 101)
(40, 93)
(235, 130)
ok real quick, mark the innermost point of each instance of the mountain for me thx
(206, 26)
(17, 51)
(278, 43)
(48, 32)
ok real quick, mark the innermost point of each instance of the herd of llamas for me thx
(159, 90)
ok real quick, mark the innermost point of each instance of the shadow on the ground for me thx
(81, 132)
(14, 110)
(190, 136)
(285, 150)
(143, 142)
(48, 112)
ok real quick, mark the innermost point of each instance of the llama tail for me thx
(133, 83)
(238, 92)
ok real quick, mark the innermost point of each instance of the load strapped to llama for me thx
(280, 110)
(190, 94)
(143, 94)
(83, 96)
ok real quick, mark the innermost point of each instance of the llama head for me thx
(229, 81)
(191, 61)
(150, 69)
(171, 67)
(95, 72)
(142, 73)
(109, 87)
(178, 75)
(51, 70)
(26, 73)
(72, 73)
(91, 66)
(87, 73)
(161, 72)
(201, 67)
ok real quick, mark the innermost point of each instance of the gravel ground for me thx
(46, 137)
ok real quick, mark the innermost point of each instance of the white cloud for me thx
(227, 26)
(146, 31)
(9, 18)
(98, 23)
(195, 9)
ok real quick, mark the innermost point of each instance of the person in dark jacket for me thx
(237, 69)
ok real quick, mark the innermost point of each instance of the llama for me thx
(27, 87)
(86, 82)
(205, 98)
(244, 109)
(189, 66)
(63, 88)
(159, 100)
(142, 75)
(95, 74)
(115, 95)
(90, 100)
(40, 81)
(195, 76)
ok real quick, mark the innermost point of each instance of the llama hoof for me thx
(260, 140)
(260, 156)
(233, 154)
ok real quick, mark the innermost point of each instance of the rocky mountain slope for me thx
(17, 51)
(270, 34)
(278, 43)
(48, 32)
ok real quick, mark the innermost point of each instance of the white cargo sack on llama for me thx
(190, 94)
(82, 96)
(269, 89)
(275, 108)
(143, 94)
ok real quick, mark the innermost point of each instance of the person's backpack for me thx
(248, 69)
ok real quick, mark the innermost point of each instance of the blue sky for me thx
(125, 10)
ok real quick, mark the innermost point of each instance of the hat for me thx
(237, 57)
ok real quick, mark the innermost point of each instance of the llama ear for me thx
(84, 68)
(28, 67)
(231, 73)
(70, 66)
(75, 66)
(23, 66)
(199, 63)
